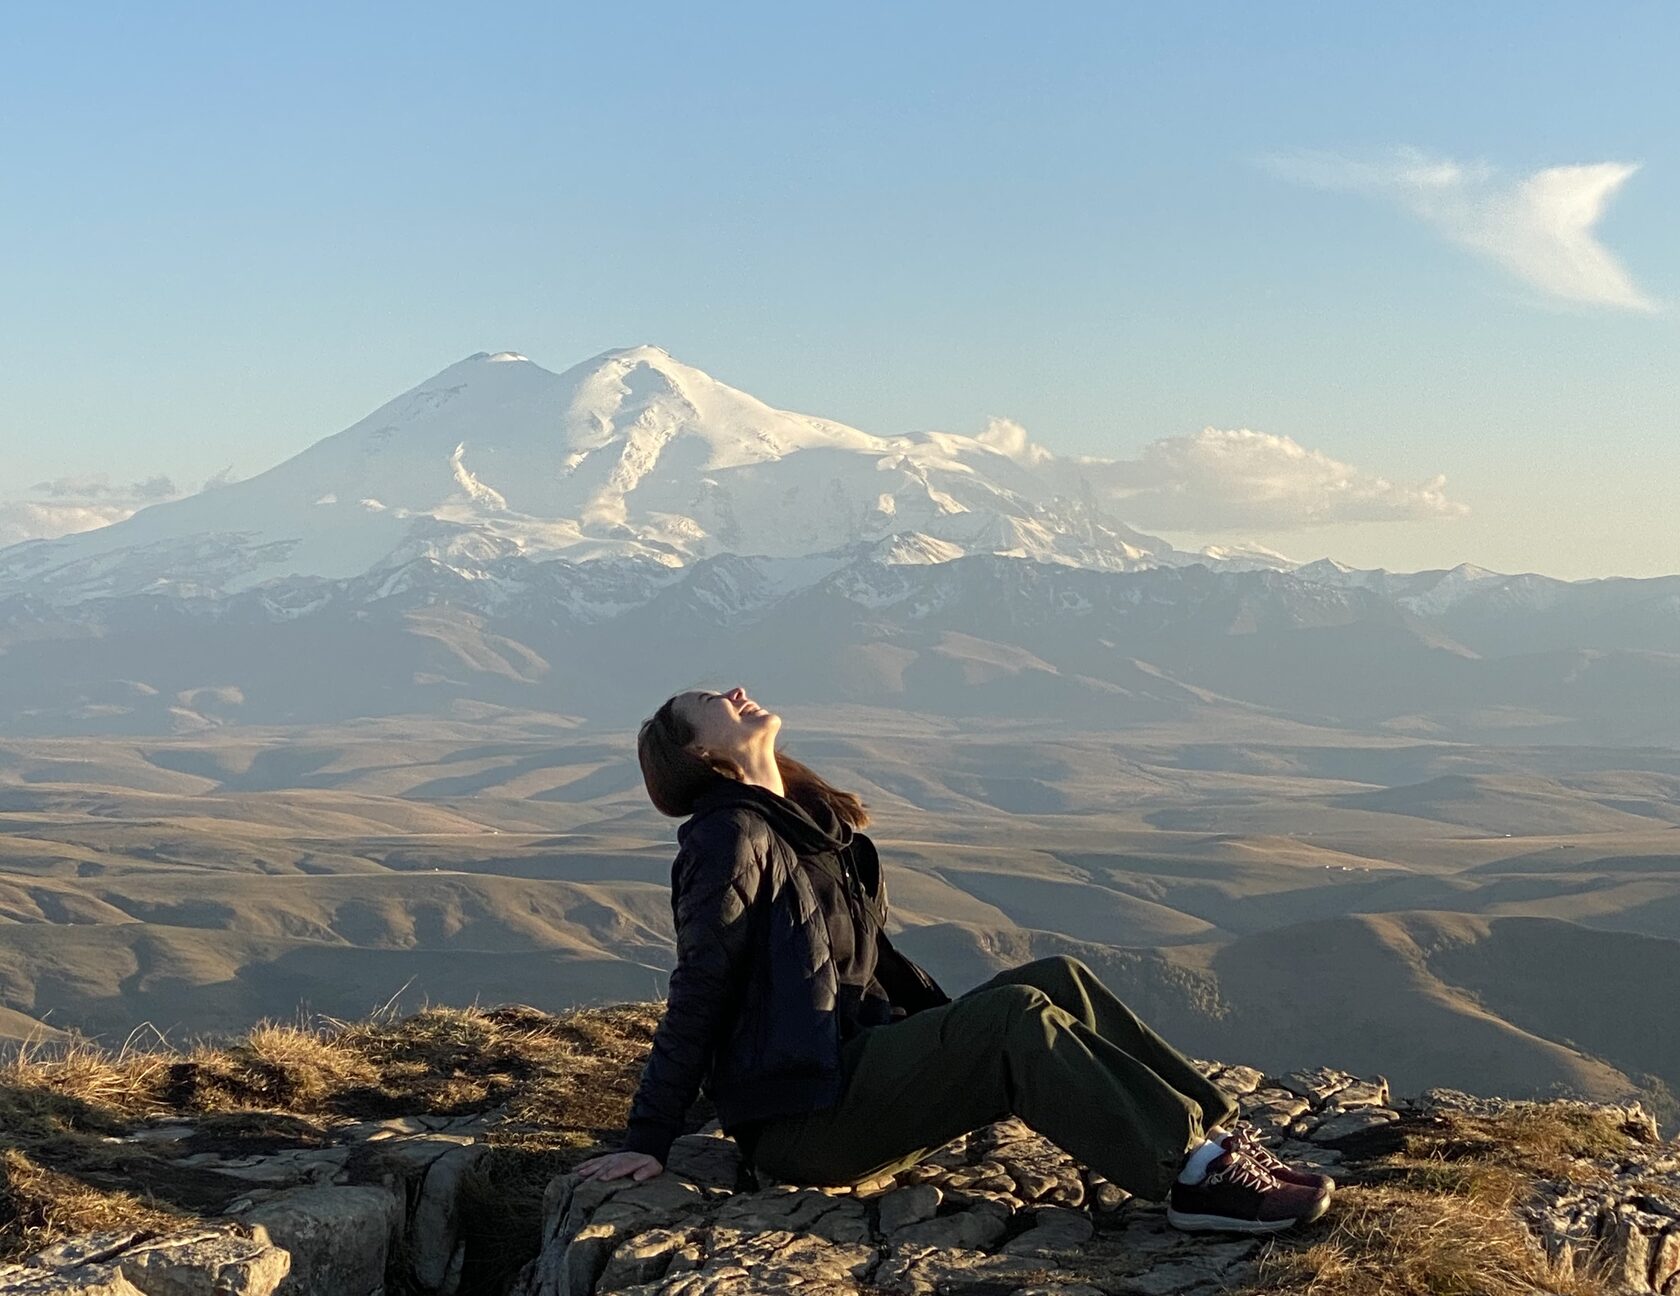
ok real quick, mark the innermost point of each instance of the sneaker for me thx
(1238, 1195)
(1245, 1138)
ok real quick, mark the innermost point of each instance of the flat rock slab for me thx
(1000, 1211)
(206, 1262)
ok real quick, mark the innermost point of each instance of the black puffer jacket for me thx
(750, 1012)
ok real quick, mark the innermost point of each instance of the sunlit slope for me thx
(1274, 892)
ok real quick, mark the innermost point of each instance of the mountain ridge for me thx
(629, 453)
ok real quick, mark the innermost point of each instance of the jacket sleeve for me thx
(713, 881)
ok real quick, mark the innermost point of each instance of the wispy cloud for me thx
(67, 505)
(1220, 480)
(1539, 227)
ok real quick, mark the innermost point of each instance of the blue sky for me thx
(230, 230)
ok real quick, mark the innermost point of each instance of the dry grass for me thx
(287, 1068)
(1548, 1140)
(80, 1085)
(39, 1206)
(1403, 1240)
(1441, 1216)
(559, 1087)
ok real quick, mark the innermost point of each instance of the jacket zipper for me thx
(861, 914)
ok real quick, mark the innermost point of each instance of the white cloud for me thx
(1216, 480)
(1009, 438)
(1539, 227)
(68, 505)
(22, 520)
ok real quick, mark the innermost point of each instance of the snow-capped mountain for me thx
(629, 455)
(503, 536)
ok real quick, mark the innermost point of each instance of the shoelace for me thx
(1247, 1139)
(1244, 1170)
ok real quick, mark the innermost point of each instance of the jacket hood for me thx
(807, 828)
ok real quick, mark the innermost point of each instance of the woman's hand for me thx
(613, 1165)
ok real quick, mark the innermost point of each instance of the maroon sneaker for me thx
(1246, 1139)
(1238, 1195)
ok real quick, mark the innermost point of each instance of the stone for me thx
(1276, 1107)
(1055, 1230)
(210, 1263)
(434, 1230)
(376, 1131)
(839, 1219)
(95, 1248)
(287, 1168)
(1362, 1093)
(1240, 1081)
(1346, 1124)
(1060, 1289)
(967, 1229)
(909, 1205)
(709, 1159)
(920, 1271)
(1001, 1210)
(84, 1280)
(1316, 1085)
(413, 1156)
(645, 1257)
(339, 1237)
(1626, 1258)
(1665, 1259)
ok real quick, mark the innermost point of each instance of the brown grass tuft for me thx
(558, 1087)
(1441, 1216)
(40, 1206)
(79, 1086)
(1401, 1240)
(290, 1068)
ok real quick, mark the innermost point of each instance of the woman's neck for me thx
(761, 768)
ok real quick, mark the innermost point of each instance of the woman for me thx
(832, 1058)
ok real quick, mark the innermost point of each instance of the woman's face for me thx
(726, 724)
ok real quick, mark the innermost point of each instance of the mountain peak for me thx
(493, 357)
(644, 353)
(631, 453)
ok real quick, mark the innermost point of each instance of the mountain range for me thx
(504, 536)
(631, 456)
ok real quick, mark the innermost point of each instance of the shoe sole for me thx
(1191, 1223)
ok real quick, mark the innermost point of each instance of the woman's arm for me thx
(713, 881)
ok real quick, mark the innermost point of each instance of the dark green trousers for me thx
(1047, 1042)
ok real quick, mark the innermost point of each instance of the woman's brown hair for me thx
(676, 777)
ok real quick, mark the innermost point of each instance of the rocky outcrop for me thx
(1004, 1212)
(336, 1216)
(366, 1208)
(1619, 1220)
(1001, 1210)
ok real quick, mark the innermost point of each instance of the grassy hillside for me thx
(1443, 913)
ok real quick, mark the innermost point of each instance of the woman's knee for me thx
(1025, 1018)
(1016, 1002)
(1058, 971)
